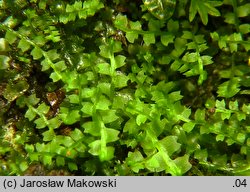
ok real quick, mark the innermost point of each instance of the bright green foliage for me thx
(229, 88)
(80, 9)
(204, 8)
(152, 87)
(62, 148)
(41, 111)
(231, 132)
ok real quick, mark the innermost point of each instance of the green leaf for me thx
(244, 28)
(103, 103)
(30, 114)
(220, 160)
(41, 147)
(65, 140)
(14, 90)
(72, 166)
(107, 153)
(206, 60)
(34, 157)
(119, 61)
(105, 88)
(190, 57)
(23, 45)
(199, 115)
(149, 38)
(47, 159)
(201, 155)
(60, 161)
(131, 126)
(192, 10)
(60, 66)
(74, 98)
(41, 123)
(173, 26)
(32, 100)
(39, 40)
(226, 114)
(29, 148)
(120, 80)
(141, 119)
(183, 164)
(220, 137)
(204, 8)
(23, 166)
(80, 148)
(229, 88)
(104, 153)
(36, 53)
(121, 21)
(43, 108)
(92, 7)
(188, 127)
(45, 64)
(246, 109)
(175, 96)
(109, 49)
(241, 116)
(71, 153)
(112, 135)
(4, 62)
(187, 35)
(132, 34)
(170, 144)
(244, 10)
(233, 105)
(48, 135)
(88, 92)
(53, 55)
(54, 123)
(108, 116)
(211, 10)
(68, 116)
(184, 115)
(135, 161)
(156, 163)
(230, 18)
(166, 39)
(230, 141)
(104, 51)
(241, 137)
(10, 37)
(55, 76)
(220, 104)
(91, 128)
(104, 68)
(115, 46)
(42, 5)
(76, 134)
(95, 147)
(87, 108)
(155, 25)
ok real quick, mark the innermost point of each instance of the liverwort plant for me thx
(96, 87)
